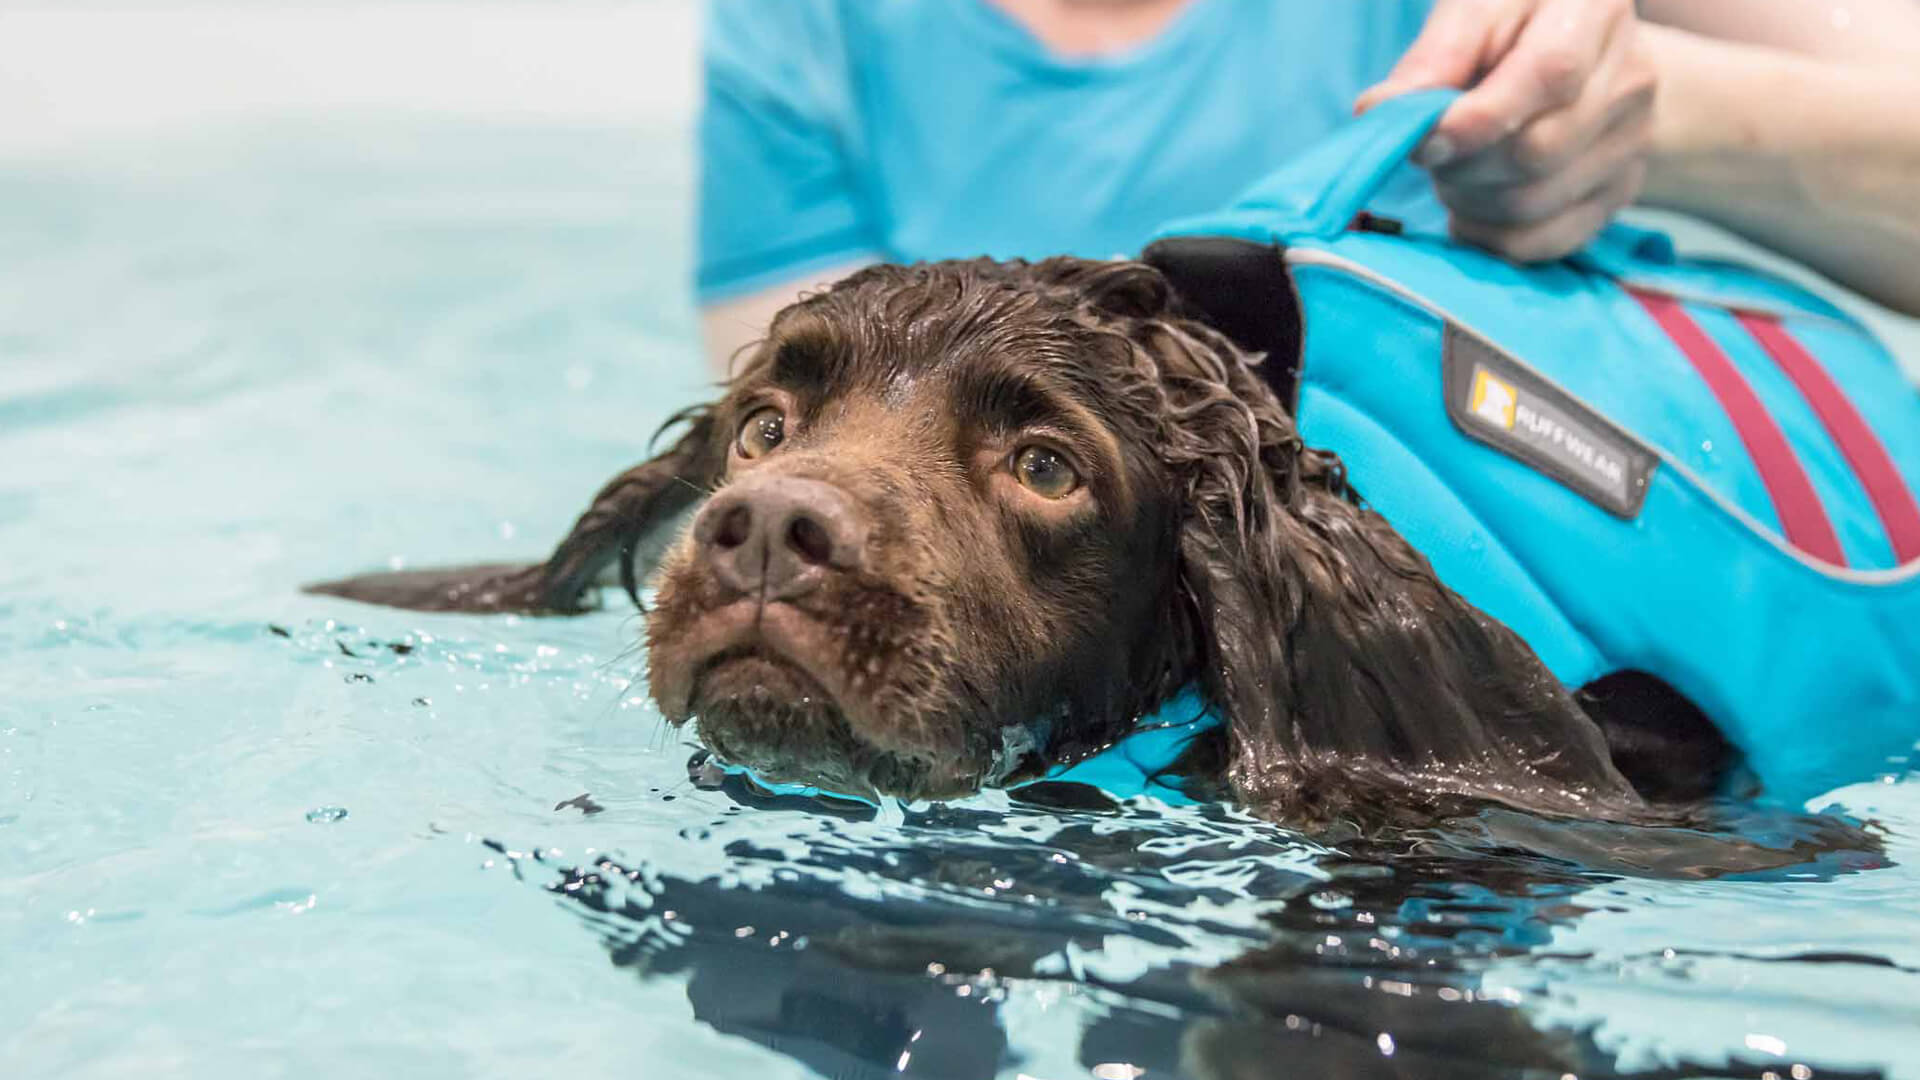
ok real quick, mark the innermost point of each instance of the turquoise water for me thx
(249, 832)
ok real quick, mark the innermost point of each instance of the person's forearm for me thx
(1815, 160)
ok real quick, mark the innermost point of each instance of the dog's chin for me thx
(804, 696)
(758, 708)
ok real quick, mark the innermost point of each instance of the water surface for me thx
(249, 832)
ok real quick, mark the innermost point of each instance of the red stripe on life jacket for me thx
(1802, 517)
(1892, 500)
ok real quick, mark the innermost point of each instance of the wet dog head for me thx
(956, 522)
(942, 540)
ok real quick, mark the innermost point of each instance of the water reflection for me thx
(961, 942)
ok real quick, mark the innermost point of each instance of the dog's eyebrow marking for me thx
(801, 365)
(1003, 400)
(808, 360)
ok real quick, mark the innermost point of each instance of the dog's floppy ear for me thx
(1353, 679)
(624, 525)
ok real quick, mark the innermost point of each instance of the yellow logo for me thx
(1492, 400)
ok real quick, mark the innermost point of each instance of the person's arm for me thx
(1816, 159)
(1576, 109)
(779, 210)
(1878, 33)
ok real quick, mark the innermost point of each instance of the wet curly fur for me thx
(1222, 553)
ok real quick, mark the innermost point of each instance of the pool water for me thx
(248, 832)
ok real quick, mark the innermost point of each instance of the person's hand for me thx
(1552, 137)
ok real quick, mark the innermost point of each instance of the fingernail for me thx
(1382, 92)
(1435, 152)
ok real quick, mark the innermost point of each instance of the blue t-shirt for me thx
(839, 130)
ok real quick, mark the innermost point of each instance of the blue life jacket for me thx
(1141, 764)
(1637, 462)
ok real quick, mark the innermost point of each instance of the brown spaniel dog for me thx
(957, 522)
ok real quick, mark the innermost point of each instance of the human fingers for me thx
(1457, 38)
(1504, 200)
(1560, 235)
(1545, 71)
(1620, 99)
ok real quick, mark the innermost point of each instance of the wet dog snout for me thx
(778, 537)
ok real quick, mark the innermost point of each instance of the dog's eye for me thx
(1044, 472)
(762, 432)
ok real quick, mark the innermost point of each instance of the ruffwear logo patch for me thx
(1498, 401)
(1493, 400)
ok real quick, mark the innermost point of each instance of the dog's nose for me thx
(779, 536)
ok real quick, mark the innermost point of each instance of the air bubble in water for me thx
(326, 815)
